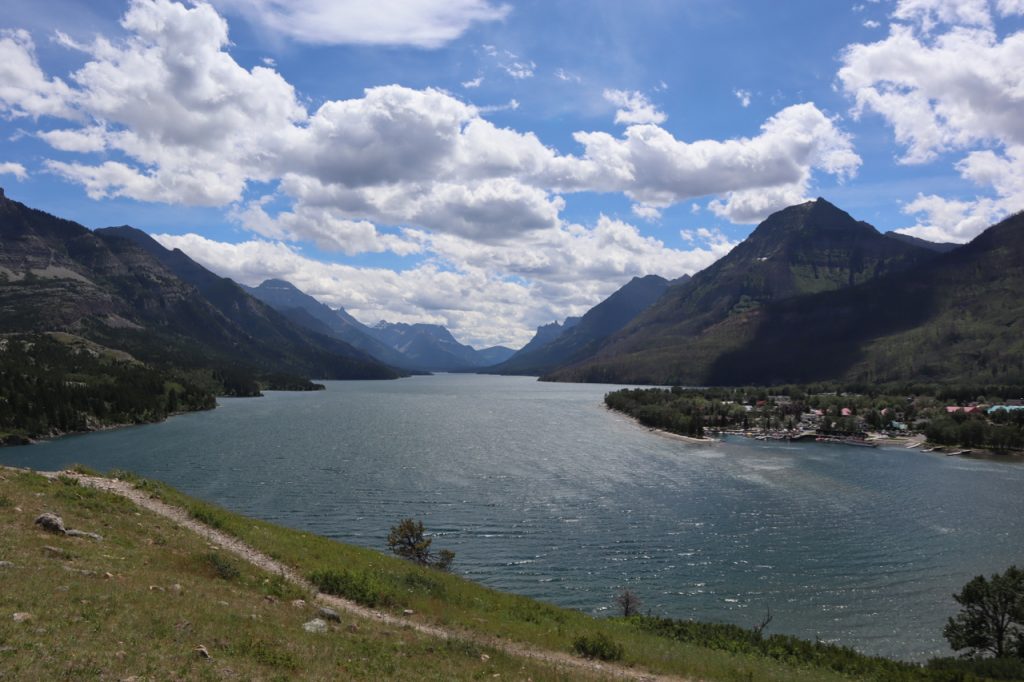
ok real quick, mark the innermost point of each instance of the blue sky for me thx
(493, 166)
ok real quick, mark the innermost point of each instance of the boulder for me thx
(315, 625)
(329, 614)
(49, 521)
(82, 534)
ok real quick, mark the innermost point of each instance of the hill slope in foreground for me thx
(177, 588)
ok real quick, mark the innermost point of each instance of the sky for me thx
(492, 166)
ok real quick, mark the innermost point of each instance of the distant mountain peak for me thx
(277, 284)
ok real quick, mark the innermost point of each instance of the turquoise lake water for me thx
(541, 491)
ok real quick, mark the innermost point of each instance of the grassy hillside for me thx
(140, 601)
(137, 604)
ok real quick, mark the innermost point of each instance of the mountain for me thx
(430, 347)
(304, 310)
(938, 247)
(801, 250)
(583, 338)
(546, 333)
(493, 355)
(120, 288)
(958, 318)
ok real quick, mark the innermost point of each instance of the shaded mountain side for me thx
(804, 249)
(938, 247)
(583, 338)
(120, 290)
(270, 332)
(308, 312)
(958, 318)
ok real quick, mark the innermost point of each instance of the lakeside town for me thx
(934, 421)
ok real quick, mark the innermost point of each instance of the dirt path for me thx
(560, 660)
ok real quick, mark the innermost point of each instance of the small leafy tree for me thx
(991, 618)
(408, 540)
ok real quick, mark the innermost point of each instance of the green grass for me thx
(262, 630)
(381, 581)
(139, 602)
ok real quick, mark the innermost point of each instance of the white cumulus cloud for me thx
(13, 168)
(947, 82)
(634, 107)
(419, 23)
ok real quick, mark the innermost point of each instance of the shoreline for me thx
(662, 432)
(29, 440)
(916, 443)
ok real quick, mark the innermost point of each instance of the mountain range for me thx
(414, 347)
(120, 288)
(812, 294)
(577, 339)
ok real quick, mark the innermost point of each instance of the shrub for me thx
(599, 646)
(208, 515)
(222, 566)
(361, 587)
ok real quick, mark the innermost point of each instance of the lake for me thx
(542, 491)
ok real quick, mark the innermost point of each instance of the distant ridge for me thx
(308, 312)
(432, 347)
(584, 337)
(939, 247)
(120, 288)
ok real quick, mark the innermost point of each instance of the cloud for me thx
(1010, 7)
(24, 88)
(495, 294)
(871, 23)
(955, 220)
(473, 83)
(929, 13)
(179, 121)
(753, 206)
(15, 169)
(511, 105)
(634, 108)
(519, 70)
(417, 23)
(743, 96)
(646, 212)
(83, 140)
(563, 75)
(191, 125)
(950, 220)
(960, 89)
(653, 167)
(323, 226)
